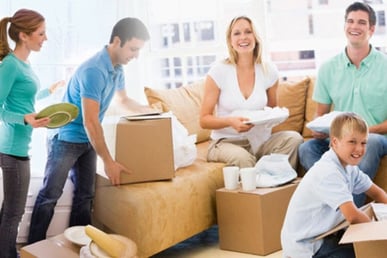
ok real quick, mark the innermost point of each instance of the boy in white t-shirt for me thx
(324, 196)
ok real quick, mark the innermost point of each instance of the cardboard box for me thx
(251, 222)
(143, 145)
(58, 247)
(369, 239)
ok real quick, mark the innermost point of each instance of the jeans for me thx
(311, 151)
(80, 160)
(332, 249)
(16, 179)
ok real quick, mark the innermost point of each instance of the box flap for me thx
(344, 224)
(374, 230)
(340, 226)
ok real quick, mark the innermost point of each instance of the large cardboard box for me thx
(142, 144)
(58, 247)
(369, 239)
(251, 222)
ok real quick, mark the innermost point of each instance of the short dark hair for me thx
(356, 6)
(128, 28)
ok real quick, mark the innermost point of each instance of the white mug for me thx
(231, 177)
(248, 178)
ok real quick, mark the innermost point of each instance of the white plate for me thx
(322, 123)
(77, 235)
(270, 120)
(320, 129)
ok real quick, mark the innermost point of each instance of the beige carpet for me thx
(205, 245)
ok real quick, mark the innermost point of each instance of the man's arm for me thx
(322, 109)
(130, 104)
(95, 133)
(379, 128)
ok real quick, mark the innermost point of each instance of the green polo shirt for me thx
(363, 90)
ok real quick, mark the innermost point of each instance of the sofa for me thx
(158, 215)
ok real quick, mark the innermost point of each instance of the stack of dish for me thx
(60, 114)
(91, 248)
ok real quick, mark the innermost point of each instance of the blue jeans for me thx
(332, 249)
(80, 160)
(311, 151)
(16, 179)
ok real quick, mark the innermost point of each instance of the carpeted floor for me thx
(205, 245)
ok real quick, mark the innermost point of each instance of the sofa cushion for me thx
(185, 103)
(310, 110)
(292, 95)
(157, 215)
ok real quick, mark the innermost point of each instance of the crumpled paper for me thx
(274, 170)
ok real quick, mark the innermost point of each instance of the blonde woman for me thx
(242, 82)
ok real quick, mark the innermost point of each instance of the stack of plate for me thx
(90, 249)
(60, 114)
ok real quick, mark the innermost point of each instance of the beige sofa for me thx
(157, 215)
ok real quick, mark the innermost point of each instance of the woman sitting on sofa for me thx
(243, 82)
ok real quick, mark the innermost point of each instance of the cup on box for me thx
(231, 177)
(248, 178)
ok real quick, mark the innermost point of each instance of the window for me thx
(187, 37)
(303, 35)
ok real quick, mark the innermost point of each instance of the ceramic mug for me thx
(248, 178)
(231, 177)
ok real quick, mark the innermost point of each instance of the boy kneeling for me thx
(324, 196)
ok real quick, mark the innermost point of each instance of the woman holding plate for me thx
(18, 90)
(243, 82)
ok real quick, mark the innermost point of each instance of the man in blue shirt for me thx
(353, 81)
(75, 147)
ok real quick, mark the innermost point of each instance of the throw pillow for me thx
(185, 103)
(292, 95)
(310, 110)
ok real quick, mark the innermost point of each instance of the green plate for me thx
(60, 114)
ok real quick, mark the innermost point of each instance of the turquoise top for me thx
(363, 90)
(18, 87)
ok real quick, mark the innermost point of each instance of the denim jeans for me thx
(311, 151)
(16, 179)
(332, 249)
(80, 160)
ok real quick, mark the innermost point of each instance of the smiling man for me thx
(74, 147)
(355, 81)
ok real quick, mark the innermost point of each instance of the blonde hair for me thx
(23, 20)
(346, 123)
(233, 55)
